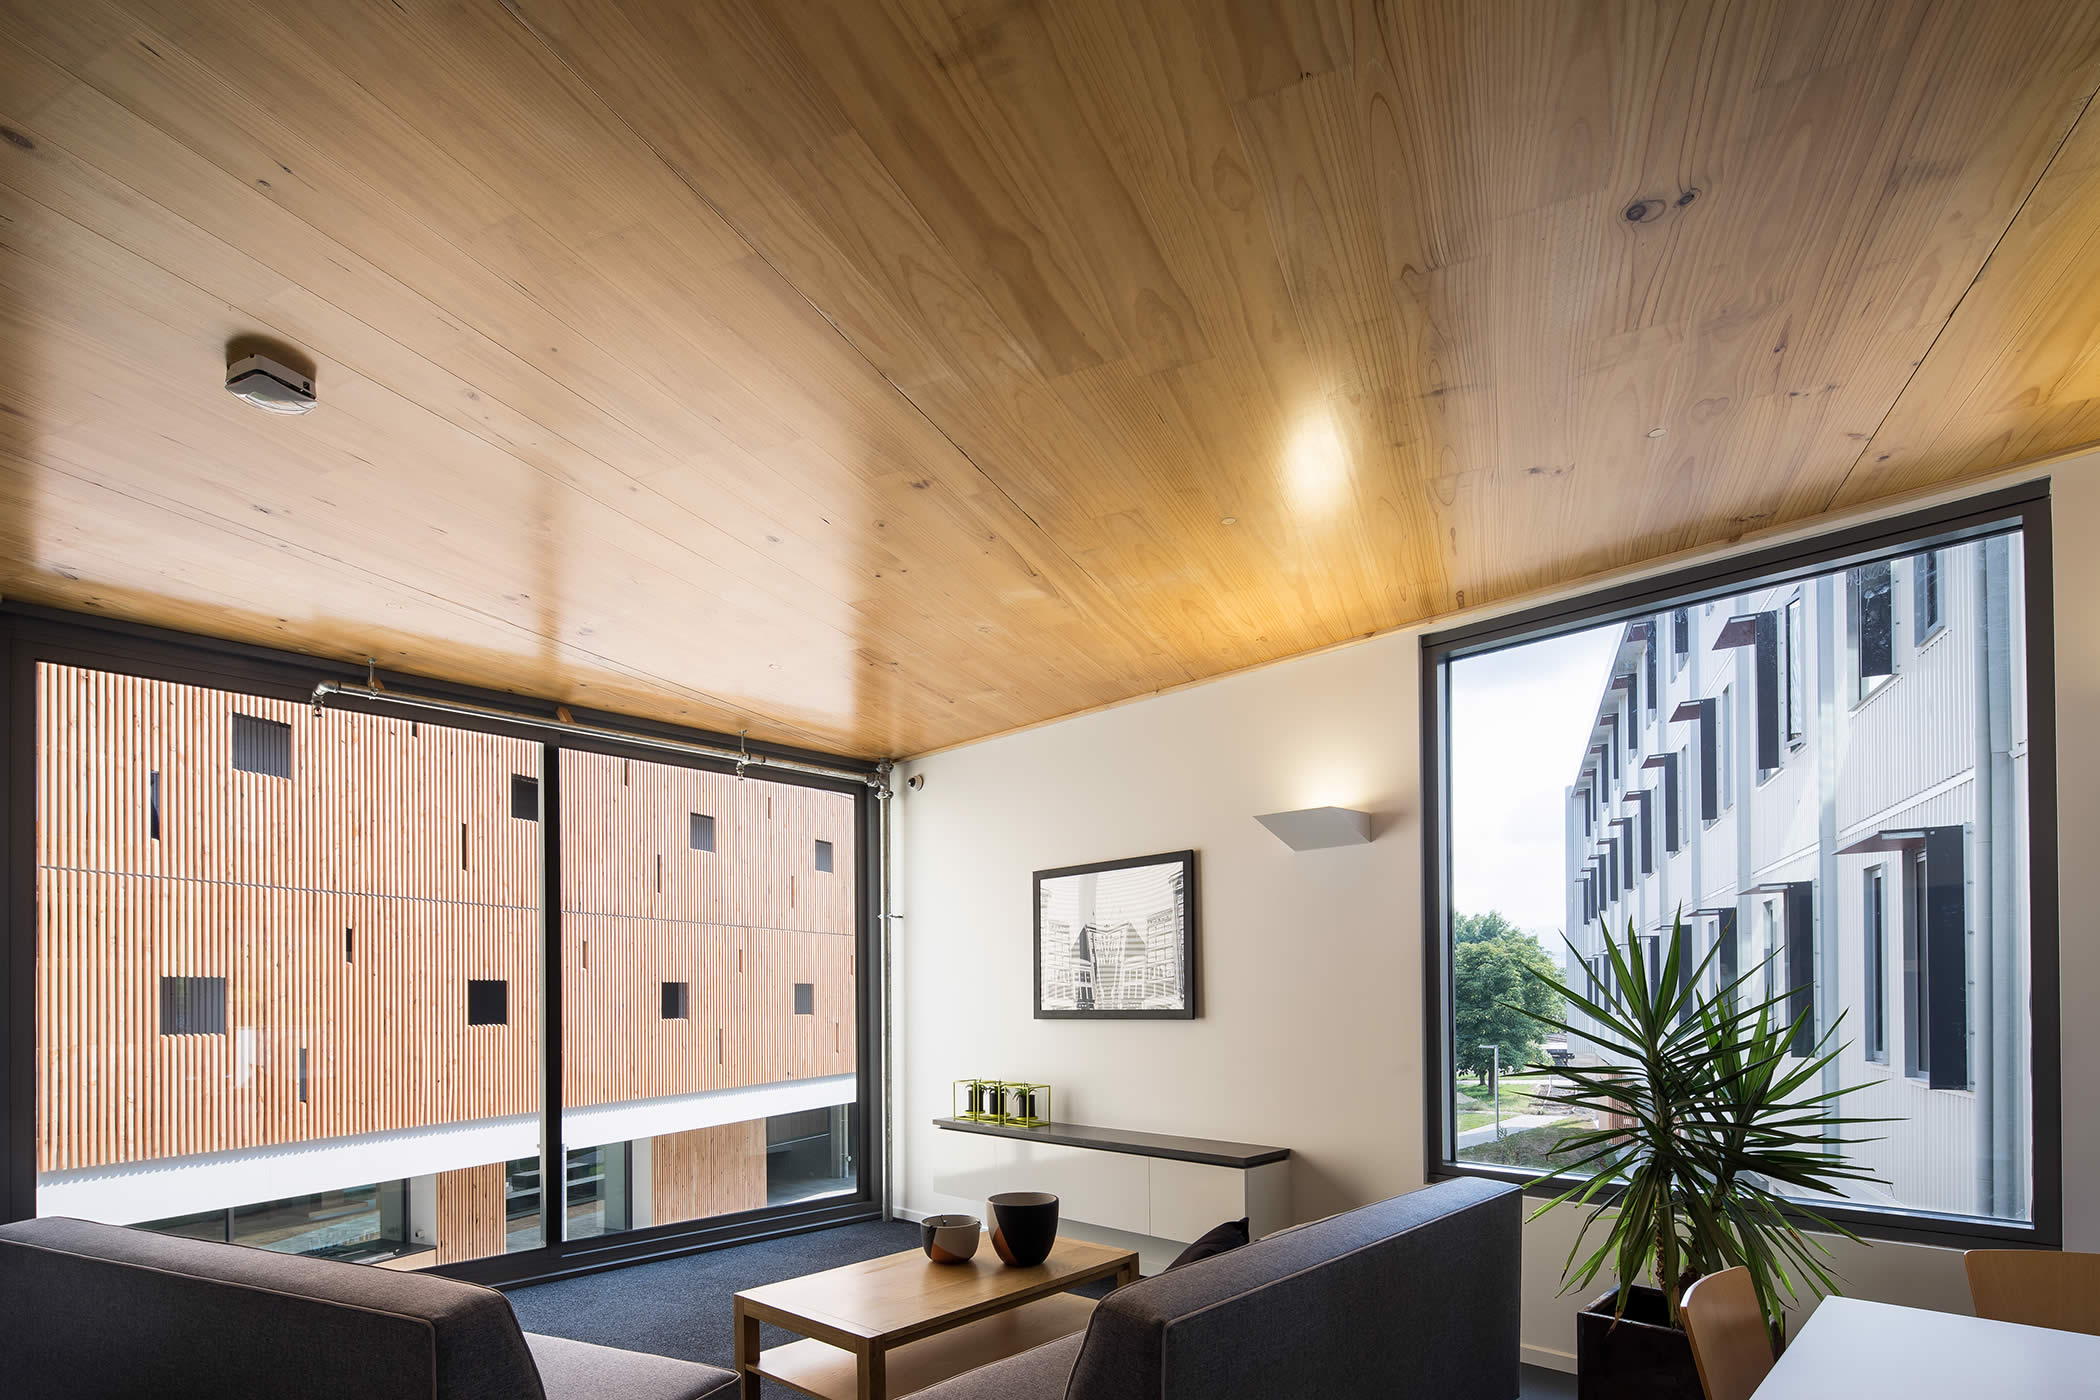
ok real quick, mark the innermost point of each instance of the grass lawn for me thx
(1518, 1096)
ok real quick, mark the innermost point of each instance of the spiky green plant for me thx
(1714, 1117)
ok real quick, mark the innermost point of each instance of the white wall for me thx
(1311, 1029)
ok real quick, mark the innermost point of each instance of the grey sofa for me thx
(1415, 1297)
(90, 1311)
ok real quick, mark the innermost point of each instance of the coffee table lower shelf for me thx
(828, 1372)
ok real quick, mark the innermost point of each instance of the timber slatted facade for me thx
(349, 905)
(709, 1171)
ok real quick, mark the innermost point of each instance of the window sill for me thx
(1887, 684)
(1874, 1223)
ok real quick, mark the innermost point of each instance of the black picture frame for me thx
(1191, 982)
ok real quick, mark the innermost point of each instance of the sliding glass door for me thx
(295, 985)
(709, 994)
(287, 973)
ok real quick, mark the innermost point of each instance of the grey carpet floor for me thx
(680, 1307)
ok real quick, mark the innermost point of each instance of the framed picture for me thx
(1117, 939)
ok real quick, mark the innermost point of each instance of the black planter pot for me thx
(1638, 1357)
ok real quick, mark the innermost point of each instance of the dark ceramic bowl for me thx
(1024, 1226)
(949, 1239)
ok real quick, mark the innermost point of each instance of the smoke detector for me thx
(269, 385)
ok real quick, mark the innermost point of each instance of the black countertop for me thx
(1208, 1151)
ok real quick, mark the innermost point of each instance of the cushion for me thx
(1231, 1235)
(1040, 1373)
(582, 1371)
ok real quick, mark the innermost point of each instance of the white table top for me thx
(1855, 1350)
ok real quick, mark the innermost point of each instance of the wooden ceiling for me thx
(882, 375)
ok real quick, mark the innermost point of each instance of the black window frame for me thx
(31, 634)
(191, 1004)
(524, 797)
(488, 1001)
(253, 743)
(2025, 508)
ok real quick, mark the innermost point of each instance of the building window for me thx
(700, 831)
(1874, 997)
(805, 998)
(823, 855)
(1828, 894)
(1927, 616)
(488, 1002)
(153, 805)
(1680, 639)
(524, 798)
(1795, 658)
(674, 1001)
(1871, 637)
(193, 1006)
(262, 746)
(1935, 955)
(1726, 776)
(1648, 651)
(1681, 772)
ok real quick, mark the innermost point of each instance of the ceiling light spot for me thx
(1318, 468)
(1229, 520)
(1657, 432)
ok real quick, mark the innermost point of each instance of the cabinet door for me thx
(1189, 1198)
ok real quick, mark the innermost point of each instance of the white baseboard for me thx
(907, 1213)
(1550, 1358)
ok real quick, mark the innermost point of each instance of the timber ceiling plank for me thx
(884, 373)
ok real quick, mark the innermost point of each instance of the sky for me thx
(1520, 719)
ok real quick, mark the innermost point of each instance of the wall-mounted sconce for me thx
(1316, 828)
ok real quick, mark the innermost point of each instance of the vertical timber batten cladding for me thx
(470, 1213)
(741, 923)
(338, 908)
(710, 1171)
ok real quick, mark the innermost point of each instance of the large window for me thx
(710, 1012)
(287, 996)
(1879, 885)
(294, 966)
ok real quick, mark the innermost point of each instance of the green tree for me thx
(1488, 984)
(1476, 928)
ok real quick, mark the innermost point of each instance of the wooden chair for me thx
(1731, 1344)
(2039, 1287)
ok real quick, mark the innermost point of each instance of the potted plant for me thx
(1703, 1116)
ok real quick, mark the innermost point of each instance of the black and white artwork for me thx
(1117, 939)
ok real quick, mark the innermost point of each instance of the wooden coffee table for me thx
(900, 1323)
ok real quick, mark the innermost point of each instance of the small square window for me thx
(805, 998)
(674, 1001)
(488, 1002)
(262, 746)
(700, 831)
(524, 797)
(193, 1006)
(823, 855)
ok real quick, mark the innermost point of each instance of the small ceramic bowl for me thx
(949, 1239)
(1024, 1226)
